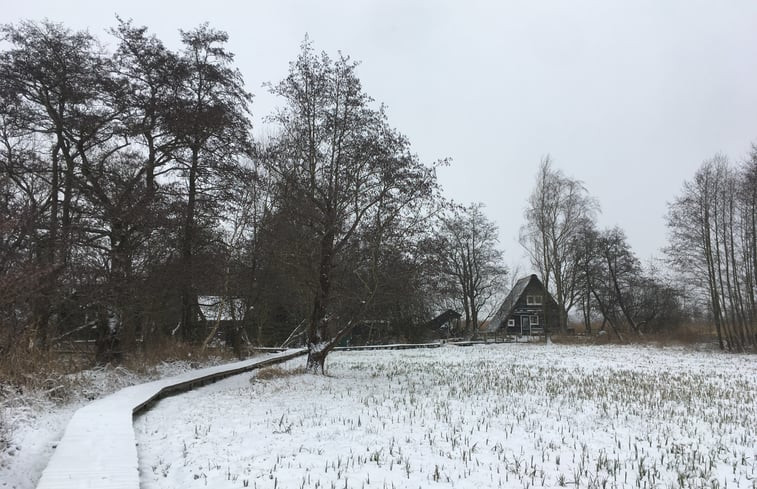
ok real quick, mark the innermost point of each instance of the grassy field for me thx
(482, 416)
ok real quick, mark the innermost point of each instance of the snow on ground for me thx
(35, 420)
(479, 416)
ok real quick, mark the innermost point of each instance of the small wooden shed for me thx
(528, 309)
(444, 323)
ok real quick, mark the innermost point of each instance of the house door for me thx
(525, 325)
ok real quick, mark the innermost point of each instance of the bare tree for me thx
(470, 260)
(210, 119)
(558, 213)
(712, 244)
(337, 155)
(628, 297)
(49, 79)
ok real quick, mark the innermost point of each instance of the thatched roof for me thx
(509, 303)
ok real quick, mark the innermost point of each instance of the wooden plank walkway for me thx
(99, 449)
(398, 346)
(406, 346)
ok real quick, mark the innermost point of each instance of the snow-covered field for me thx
(481, 416)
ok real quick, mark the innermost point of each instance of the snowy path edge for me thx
(98, 448)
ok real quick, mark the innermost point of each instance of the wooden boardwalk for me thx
(398, 346)
(99, 450)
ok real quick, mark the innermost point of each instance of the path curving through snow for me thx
(98, 447)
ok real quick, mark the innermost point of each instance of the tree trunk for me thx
(188, 298)
(586, 309)
(318, 329)
(122, 297)
(46, 256)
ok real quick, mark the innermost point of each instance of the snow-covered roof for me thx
(230, 308)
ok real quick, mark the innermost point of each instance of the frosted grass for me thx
(481, 416)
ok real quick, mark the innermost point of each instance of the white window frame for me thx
(533, 300)
(511, 323)
(534, 320)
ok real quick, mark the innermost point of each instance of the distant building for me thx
(216, 308)
(444, 324)
(528, 309)
(224, 316)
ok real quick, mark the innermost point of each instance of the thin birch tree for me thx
(559, 211)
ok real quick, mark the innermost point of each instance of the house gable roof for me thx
(442, 318)
(511, 300)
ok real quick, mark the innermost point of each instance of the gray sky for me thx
(629, 97)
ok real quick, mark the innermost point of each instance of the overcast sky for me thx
(629, 97)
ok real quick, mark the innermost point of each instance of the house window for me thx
(533, 300)
(511, 323)
(534, 320)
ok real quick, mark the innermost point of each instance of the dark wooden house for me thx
(528, 309)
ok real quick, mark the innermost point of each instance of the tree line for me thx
(593, 271)
(116, 165)
(708, 269)
(131, 187)
(713, 246)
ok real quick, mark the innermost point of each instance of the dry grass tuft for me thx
(34, 370)
(52, 374)
(5, 432)
(685, 335)
(691, 334)
(572, 339)
(143, 360)
(277, 372)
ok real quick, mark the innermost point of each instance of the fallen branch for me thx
(294, 333)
